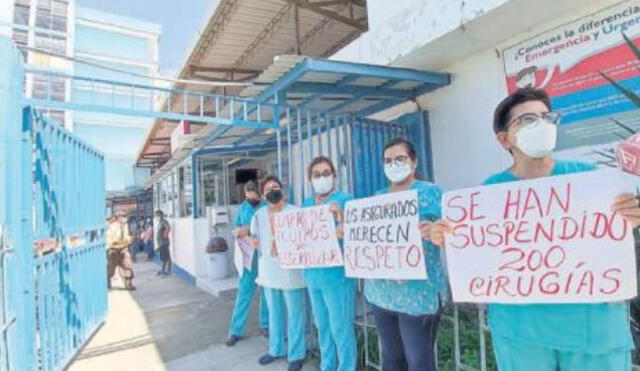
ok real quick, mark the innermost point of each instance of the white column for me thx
(6, 17)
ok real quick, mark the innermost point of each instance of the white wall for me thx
(398, 27)
(463, 112)
(183, 249)
(189, 238)
(441, 36)
(463, 144)
(6, 17)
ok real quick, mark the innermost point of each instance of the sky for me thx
(180, 21)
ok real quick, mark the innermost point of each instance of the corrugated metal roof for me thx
(245, 35)
(327, 87)
(340, 87)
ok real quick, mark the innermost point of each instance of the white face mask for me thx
(397, 173)
(322, 185)
(538, 139)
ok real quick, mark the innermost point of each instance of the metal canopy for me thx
(319, 91)
(296, 92)
(340, 87)
(240, 39)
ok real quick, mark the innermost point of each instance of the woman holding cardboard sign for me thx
(282, 287)
(332, 294)
(249, 271)
(407, 313)
(550, 337)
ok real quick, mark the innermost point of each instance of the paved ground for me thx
(167, 324)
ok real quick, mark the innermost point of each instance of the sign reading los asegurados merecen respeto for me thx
(382, 237)
(550, 240)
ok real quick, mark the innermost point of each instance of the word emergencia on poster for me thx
(550, 240)
(306, 238)
(382, 238)
(567, 63)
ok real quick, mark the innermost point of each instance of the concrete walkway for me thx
(167, 324)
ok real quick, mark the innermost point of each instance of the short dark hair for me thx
(408, 146)
(251, 186)
(502, 114)
(321, 160)
(159, 213)
(267, 179)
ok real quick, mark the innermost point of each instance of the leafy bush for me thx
(469, 329)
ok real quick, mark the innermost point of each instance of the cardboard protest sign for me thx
(306, 238)
(242, 255)
(382, 238)
(547, 240)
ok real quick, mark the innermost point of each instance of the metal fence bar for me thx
(70, 281)
(318, 125)
(310, 135)
(300, 151)
(378, 144)
(347, 133)
(329, 119)
(290, 175)
(483, 349)
(341, 151)
(366, 144)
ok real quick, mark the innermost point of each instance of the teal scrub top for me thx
(415, 297)
(243, 219)
(245, 213)
(592, 328)
(321, 278)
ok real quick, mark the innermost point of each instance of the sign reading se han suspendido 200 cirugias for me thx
(548, 240)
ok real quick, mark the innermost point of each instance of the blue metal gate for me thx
(52, 253)
(17, 316)
(368, 140)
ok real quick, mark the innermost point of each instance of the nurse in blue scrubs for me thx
(407, 313)
(247, 281)
(284, 288)
(332, 294)
(550, 337)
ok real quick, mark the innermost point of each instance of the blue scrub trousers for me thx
(291, 301)
(408, 342)
(246, 288)
(334, 313)
(512, 355)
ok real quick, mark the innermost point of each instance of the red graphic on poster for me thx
(567, 63)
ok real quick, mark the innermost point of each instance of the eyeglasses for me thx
(269, 189)
(530, 117)
(317, 174)
(399, 161)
